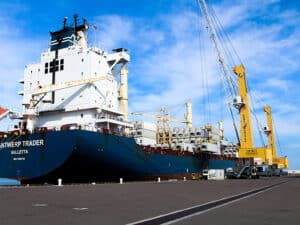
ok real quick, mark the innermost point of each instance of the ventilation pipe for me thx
(221, 130)
(188, 116)
(124, 92)
(81, 40)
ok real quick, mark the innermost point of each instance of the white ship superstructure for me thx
(76, 85)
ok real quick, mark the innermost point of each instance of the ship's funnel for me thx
(123, 97)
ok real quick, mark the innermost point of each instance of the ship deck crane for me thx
(43, 90)
(266, 155)
(39, 93)
(163, 129)
(164, 134)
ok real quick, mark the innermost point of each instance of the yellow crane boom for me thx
(269, 131)
(241, 102)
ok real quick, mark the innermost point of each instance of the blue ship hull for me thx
(85, 156)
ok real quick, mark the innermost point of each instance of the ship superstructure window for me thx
(61, 64)
(56, 65)
(51, 67)
(46, 68)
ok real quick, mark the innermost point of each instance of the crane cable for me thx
(214, 37)
(221, 34)
(252, 107)
(225, 39)
(229, 84)
(277, 138)
(206, 99)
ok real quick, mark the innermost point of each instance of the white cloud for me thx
(278, 83)
(17, 50)
(112, 31)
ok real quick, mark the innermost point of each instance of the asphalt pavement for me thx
(127, 203)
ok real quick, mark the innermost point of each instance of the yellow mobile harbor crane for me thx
(282, 162)
(261, 155)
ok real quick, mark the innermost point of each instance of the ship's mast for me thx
(123, 90)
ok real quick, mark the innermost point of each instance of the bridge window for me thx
(62, 64)
(46, 67)
(56, 65)
(51, 67)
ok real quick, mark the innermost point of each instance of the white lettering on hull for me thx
(18, 144)
(19, 152)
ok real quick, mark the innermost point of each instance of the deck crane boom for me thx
(166, 116)
(60, 86)
(39, 93)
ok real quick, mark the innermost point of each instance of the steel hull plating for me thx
(78, 156)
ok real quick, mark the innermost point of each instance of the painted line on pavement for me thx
(182, 214)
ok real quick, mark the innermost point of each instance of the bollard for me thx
(121, 180)
(184, 178)
(158, 179)
(59, 182)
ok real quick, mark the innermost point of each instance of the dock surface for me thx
(264, 201)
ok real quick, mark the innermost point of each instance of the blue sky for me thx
(172, 59)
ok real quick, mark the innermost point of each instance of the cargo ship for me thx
(74, 124)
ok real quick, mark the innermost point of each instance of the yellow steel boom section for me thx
(246, 139)
(269, 131)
